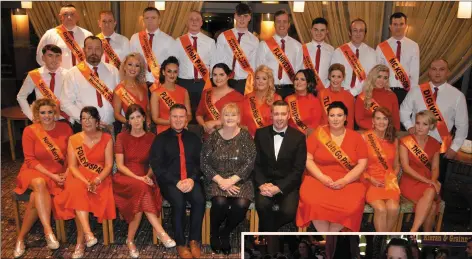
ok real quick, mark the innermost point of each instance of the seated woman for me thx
(257, 104)
(134, 187)
(336, 92)
(419, 157)
(213, 100)
(227, 160)
(89, 187)
(43, 172)
(167, 94)
(132, 88)
(383, 193)
(305, 109)
(376, 93)
(331, 196)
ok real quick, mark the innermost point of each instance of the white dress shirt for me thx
(278, 141)
(293, 51)
(162, 45)
(206, 49)
(367, 59)
(409, 58)
(28, 87)
(119, 44)
(325, 58)
(224, 54)
(450, 101)
(52, 37)
(78, 92)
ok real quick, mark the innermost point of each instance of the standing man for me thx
(154, 44)
(402, 56)
(90, 83)
(448, 105)
(356, 57)
(67, 36)
(115, 46)
(317, 53)
(282, 53)
(280, 163)
(237, 49)
(175, 160)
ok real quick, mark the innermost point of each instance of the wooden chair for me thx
(407, 207)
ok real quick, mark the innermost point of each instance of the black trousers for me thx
(271, 220)
(238, 85)
(194, 88)
(178, 200)
(400, 93)
(284, 90)
(443, 163)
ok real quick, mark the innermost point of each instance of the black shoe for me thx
(215, 244)
(225, 245)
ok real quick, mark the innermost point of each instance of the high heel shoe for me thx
(90, 239)
(52, 242)
(215, 244)
(133, 253)
(20, 248)
(79, 251)
(169, 242)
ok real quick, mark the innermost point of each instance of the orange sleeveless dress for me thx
(310, 111)
(143, 103)
(164, 111)
(264, 110)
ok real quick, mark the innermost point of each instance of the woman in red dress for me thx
(43, 171)
(257, 104)
(331, 195)
(376, 93)
(167, 94)
(213, 100)
(134, 187)
(305, 109)
(419, 182)
(383, 165)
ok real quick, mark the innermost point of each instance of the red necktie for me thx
(183, 167)
(99, 96)
(318, 57)
(435, 95)
(107, 60)
(240, 34)
(399, 50)
(353, 80)
(52, 84)
(73, 56)
(195, 71)
(151, 37)
(279, 74)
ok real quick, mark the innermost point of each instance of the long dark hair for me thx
(131, 109)
(390, 131)
(310, 80)
(401, 243)
(169, 60)
(225, 68)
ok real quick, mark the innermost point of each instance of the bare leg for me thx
(321, 225)
(31, 215)
(335, 227)
(429, 222)
(83, 217)
(157, 226)
(132, 228)
(80, 231)
(422, 208)
(392, 214)
(380, 215)
(42, 203)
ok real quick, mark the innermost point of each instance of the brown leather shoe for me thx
(195, 249)
(184, 252)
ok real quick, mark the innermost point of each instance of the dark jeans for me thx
(194, 88)
(271, 220)
(284, 90)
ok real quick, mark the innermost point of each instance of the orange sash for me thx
(309, 64)
(397, 67)
(255, 113)
(109, 52)
(433, 107)
(48, 143)
(391, 182)
(166, 97)
(77, 142)
(98, 84)
(417, 151)
(373, 104)
(124, 95)
(353, 61)
(151, 59)
(46, 91)
(196, 60)
(336, 151)
(214, 113)
(239, 55)
(325, 100)
(295, 113)
(71, 43)
(280, 56)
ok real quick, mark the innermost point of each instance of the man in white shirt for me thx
(364, 55)
(189, 76)
(160, 43)
(52, 75)
(69, 17)
(282, 46)
(248, 43)
(119, 43)
(452, 106)
(79, 92)
(406, 52)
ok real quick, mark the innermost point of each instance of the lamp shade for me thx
(465, 10)
(160, 5)
(299, 6)
(27, 5)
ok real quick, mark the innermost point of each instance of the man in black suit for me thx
(280, 162)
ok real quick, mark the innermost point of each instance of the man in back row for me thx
(115, 46)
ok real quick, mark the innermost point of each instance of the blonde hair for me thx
(270, 91)
(40, 103)
(369, 84)
(141, 77)
(432, 120)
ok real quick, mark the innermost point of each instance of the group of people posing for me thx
(282, 139)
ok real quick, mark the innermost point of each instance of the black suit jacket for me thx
(285, 172)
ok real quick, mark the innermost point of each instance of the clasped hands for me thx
(185, 185)
(92, 185)
(335, 185)
(59, 178)
(228, 185)
(269, 189)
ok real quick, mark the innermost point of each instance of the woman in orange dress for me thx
(419, 182)
(336, 92)
(305, 109)
(376, 93)
(213, 100)
(331, 195)
(167, 94)
(43, 171)
(383, 165)
(257, 104)
(89, 187)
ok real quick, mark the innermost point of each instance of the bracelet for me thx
(99, 181)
